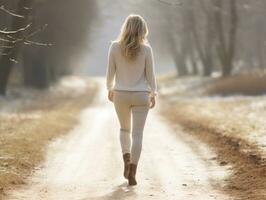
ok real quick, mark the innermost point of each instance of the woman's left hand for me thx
(110, 95)
(152, 101)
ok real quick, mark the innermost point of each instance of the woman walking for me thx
(131, 85)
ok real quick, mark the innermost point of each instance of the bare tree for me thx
(226, 47)
(12, 53)
(204, 42)
(69, 27)
(178, 37)
(13, 40)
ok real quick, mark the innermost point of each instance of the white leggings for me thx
(137, 103)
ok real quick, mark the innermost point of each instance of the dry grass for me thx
(25, 133)
(167, 77)
(250, 84)
(234, 126)
(248, 177)
(238, 116)
(244, 84)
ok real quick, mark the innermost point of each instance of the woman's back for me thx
(133, 75)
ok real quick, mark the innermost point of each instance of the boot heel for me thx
(132, 174)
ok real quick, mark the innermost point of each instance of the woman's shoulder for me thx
(114, 43)
(147, 47)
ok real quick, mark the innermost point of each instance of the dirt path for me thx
(87, 163)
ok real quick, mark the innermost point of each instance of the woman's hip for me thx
(136, 98)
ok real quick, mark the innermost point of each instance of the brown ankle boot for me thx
(132, 175)
(126, 158)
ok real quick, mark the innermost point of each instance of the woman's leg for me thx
(140, 110)
(123, 111)
(139, 118)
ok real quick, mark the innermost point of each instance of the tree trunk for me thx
(178, 55)
(226, 52)
(5, 65)
(208, 65)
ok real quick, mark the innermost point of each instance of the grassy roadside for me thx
(25, 133)
(234, 127)
(248, 180)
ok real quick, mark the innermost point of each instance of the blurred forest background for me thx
(39, 38)
(42, 40)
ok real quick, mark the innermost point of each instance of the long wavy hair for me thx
(133, 33)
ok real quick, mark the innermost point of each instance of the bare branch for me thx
(29, 42)
(37, 31)
(6, 40)
(13, 60)
(10, 12)
(27, 8)
(3, 32)
(7, 47)
(25, 39)
(11, 37)
(27, 36)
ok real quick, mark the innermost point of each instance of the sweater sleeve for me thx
(150, 72)
(111, 68)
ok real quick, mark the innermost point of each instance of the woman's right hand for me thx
(153, 101)
(111, 95)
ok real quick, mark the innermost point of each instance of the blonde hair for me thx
(133, 33)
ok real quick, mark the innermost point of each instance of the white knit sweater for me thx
(137, 75)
